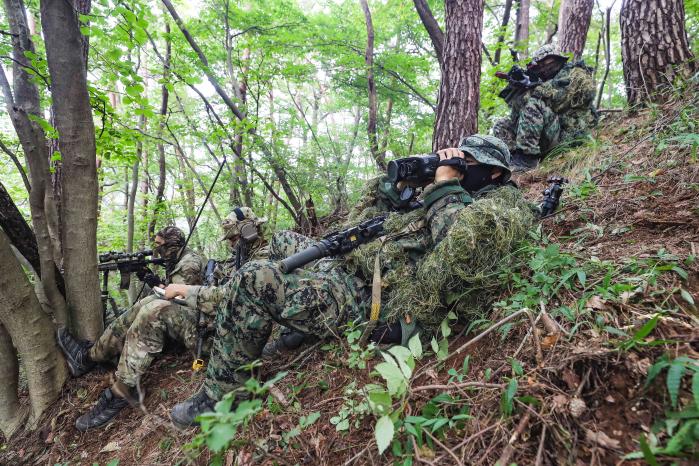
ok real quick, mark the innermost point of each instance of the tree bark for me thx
(20, 235)
(131, 206)
(25, 111)
(573, 23)
(432, 27)
(371, 85)
(654, 47)
(31, 332)
(522, 29)
(71, 103)
(11, 414)
(457, 110)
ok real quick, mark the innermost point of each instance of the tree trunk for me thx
(130, 208)
(71, 103)
(160, 191)
(522, 29)
(369, 62)
(432, 27)
(11, 415)
(20, 106)
(654, 47)
(573, 23)
(20, 235)
(503, 30)
(457, 110)
(32, 335)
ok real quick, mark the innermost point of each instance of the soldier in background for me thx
(138, 334)
(556, 109)
(320, 298)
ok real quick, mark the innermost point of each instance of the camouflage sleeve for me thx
(443, 201)
(188, 271)
(206, 298)
(535, 114)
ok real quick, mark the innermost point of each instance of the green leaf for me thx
(380, 401)
(135, 90)
(647, 452)
(435, 345)
(404, 358)
(415, 346)
(220, 435)
(309, 420)
(383, 433)
(56, 156)
(395, 381)
(681, 272)
(506, 402)
(686, 296)
(646, 329)
(464, 366)
(446, 331)
(656, 369)
(695, 388)
(582, 277)
(517, 368)
(114, 462)
(674, 379)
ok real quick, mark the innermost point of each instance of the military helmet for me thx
(487, 150)
(232, 224)
(545, 51)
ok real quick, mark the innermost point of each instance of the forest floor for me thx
(611, 286)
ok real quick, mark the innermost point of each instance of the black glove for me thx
(151, 279)
(141, 273)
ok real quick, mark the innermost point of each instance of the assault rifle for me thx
(336, 244)
(519, 81)
(126, 263)
(552, 195)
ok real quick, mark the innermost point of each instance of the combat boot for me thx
(522, 162)
(109, 404)
(184, 414)
(76, 352)
(289, 340)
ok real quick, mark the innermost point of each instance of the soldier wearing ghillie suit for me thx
(138, 335)
(557, 112)
(467, 225)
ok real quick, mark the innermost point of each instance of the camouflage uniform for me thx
(139, 333)
(556, 112)
(318, 299)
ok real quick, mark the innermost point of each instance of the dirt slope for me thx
(630, 215)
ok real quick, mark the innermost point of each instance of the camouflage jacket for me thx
(188, 270)
(434, 258)
(208, 298)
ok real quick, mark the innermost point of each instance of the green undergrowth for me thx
(621, 302)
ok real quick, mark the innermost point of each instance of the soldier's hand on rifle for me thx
(176, 290)
(141, 274)
(444, 173)
(152, 280)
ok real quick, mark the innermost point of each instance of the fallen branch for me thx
(458, 385)
(540, 450)
(509, 448)
(451, 453)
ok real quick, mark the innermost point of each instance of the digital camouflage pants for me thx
(535, 129)
(139, 334)
(312, 301)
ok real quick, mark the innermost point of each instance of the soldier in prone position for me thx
(559, 111)
(138, 335)
(317, 300)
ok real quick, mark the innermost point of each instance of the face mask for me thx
(477, 177)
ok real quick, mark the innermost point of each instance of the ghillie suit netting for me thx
(462, 273)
